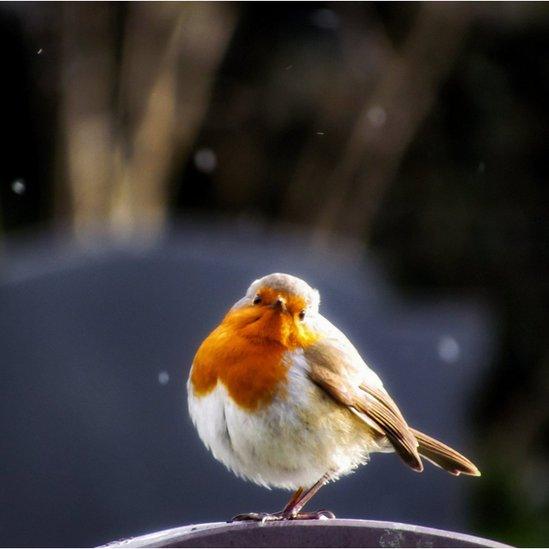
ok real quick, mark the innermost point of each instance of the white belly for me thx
(285, 444)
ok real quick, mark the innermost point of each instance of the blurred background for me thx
(158, 157)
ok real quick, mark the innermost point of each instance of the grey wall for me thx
(96, 441)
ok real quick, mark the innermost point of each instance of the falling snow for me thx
(205, 160)
(163, 377)
(376, 116)
(19, 186)
(448, 349)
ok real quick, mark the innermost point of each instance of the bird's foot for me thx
(258, 517)
(284, 515)
(324, 514)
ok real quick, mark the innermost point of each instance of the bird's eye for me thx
(257, 300)
(301, 315)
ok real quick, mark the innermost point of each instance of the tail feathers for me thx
(444, 456)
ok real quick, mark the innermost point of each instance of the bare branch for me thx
(389, 119)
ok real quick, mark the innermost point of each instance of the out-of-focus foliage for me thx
(417, 129)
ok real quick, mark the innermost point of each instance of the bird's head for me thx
(278, 307)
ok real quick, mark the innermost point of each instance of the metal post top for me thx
(308, 533)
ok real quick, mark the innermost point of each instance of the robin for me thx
(282, 398)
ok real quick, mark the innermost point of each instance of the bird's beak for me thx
(279, 304)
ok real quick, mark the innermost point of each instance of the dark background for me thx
(159, 157)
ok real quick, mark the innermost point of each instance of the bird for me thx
(283, 399)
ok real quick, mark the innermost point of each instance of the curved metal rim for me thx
(172, 535)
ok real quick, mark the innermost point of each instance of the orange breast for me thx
(246, 353)
(252, 370)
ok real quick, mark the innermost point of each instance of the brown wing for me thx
(330, 371)
(445, 457)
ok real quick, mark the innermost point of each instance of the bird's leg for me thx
(293, 500)
(292, 511)
(271, 516)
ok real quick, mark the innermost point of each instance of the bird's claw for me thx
(324, 514)
(258, 517)
(284, 515)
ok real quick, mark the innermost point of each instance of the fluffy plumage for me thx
(283, 398)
